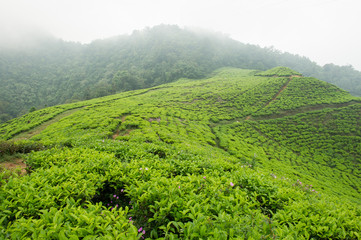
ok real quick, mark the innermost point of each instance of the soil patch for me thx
(14, 165)
(116, 134)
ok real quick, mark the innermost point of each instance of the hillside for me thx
(241, 154)
(52, 71)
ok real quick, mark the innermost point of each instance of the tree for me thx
(32, 109)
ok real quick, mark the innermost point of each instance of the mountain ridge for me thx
(58, 72)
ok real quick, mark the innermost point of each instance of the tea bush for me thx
(234, 156)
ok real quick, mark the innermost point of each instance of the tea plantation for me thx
(242, 154)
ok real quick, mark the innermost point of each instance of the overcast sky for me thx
(326, 31)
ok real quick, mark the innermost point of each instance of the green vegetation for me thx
(242, 154)
(56, 72)
(279, 72)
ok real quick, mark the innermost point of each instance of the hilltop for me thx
(240, 154)
(50, 71)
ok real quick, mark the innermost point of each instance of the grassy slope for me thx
(271, 136)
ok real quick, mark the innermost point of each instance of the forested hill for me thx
(50, 71)
(243, 154)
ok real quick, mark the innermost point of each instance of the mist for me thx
(21, 36)
(325, 31)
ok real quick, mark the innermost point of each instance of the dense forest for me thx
(52, 71)
(241, 154)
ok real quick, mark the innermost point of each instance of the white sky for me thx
(326, 31)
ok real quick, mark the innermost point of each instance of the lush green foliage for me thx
(12, 147)
(211, 158)
(279, 72)
(54, 72)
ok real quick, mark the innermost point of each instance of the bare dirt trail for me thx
(280, 91)
(116, 134)
(36, 130)
(14, 165)
(305, 109)
(277, 94)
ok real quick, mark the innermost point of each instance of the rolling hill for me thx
(51, 72)
(241, 154)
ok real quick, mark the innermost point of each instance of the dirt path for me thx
(304, 109)
(14, 165)
(36, 130)
(277, 94)
(298, 110)
(116, 134)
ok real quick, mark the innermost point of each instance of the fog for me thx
(326, 31)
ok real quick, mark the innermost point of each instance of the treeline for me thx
(56, 72)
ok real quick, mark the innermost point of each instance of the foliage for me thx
(55, 72)
(12, 147)
(279, 72)
(211, 158)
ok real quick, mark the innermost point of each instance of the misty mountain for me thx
(50, 71)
